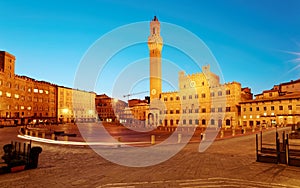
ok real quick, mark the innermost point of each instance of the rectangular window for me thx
(250, 109)
(203, 110)
(203, 95)
(228, 92)
(265, 108)
(280, 107)
(8, 94)
(212, 109)
(272, 107)
(190, 96)
(183, 97)
(196, 96)
(35, 90)
(257, 108)
(228, 109)
(290, 107)
(219, 93)
(212, 94)
(220, 109)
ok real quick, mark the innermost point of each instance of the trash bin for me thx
(34, 157)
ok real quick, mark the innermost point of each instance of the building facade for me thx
(203, 101)
(279, 106)
(109, 109)
(75, 105)
(23, 99)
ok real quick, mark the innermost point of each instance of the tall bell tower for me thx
(155, 44)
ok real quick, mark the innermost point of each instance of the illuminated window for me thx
(41, 91)
(35, 90)
(29, 90)
(290, 107)
(280, 107)
(29, 108)
(228, 92)
(17, 96)
(22, 107)
(8, 94)
(0, 93)
(47, 92)
(219, 93)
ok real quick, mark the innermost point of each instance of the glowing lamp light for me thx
(65, 110)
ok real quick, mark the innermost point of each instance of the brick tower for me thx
(155, 44)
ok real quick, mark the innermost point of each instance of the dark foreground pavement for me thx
(229, 162)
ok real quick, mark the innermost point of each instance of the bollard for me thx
(233, 132)
(222, 134)
(43, 135)
(53, 137)
(26, 132)
(253, 129)
(179, 138)
(152, 139)
(65, 138)
(244, 131)
(202, 136)
(36, 134)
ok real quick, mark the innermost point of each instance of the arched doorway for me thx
(150, 119)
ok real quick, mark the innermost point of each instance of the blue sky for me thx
(251, 40)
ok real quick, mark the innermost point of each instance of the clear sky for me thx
(256, 43)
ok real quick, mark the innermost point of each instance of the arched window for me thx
(228, 122)
(212, 122)
(203, 121)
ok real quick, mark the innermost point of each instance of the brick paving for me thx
(228, 162)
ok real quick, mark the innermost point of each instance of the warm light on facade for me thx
(244, 117)
(257, 116)
(272, 114)
(65, 110)
(265, 114)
